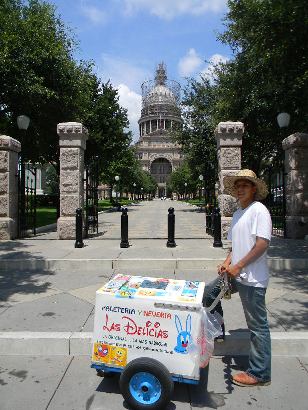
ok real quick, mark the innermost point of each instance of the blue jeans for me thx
(253, 301)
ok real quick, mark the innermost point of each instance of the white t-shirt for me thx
(246, 225)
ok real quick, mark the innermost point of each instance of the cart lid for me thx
(160, 289)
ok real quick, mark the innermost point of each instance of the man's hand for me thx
(223, 268)
(234, 270)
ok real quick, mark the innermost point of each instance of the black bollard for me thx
(217, 228)
(79, 241)
(124, 229)
(171, 224)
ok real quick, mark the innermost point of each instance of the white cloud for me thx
(132, 102)
(127, 78)
(208, 71)
(121, 71)
(190, 63)
(168, 9)
(94, 14)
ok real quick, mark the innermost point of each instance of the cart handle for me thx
(224, 289)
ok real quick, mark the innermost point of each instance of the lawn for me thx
(48, 215)
(45, 216)
(104, 204)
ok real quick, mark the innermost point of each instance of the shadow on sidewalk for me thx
(290, 310)
(19, 281)
(196, 395)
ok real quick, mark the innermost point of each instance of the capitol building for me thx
(160, 118)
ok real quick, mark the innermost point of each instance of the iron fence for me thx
(275, 201)
(27, 203)
(91, 198)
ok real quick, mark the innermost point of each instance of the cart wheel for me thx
(146, 384)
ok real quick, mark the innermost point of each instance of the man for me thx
(250, 233)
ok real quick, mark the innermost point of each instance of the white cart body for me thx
(158, 318)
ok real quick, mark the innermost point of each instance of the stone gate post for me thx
(296, 184)
(9, 148)
(72, 139)
(229, 142)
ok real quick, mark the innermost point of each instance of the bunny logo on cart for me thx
(184, 336)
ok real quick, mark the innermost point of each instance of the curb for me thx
(291, 344)
(87, 265)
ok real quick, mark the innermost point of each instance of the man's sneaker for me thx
(245, 380)
(221, 338)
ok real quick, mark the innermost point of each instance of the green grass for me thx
(48, 215)
(45, 216)
(195, 201)
(105, 204)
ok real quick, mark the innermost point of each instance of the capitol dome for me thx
(160, 120)
(161, 94)
(161, 97)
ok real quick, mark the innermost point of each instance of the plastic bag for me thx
(210, 329)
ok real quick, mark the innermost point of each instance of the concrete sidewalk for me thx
(47, 287)
(68, 383)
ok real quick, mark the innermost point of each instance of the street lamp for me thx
(117, 178)
(134, 185)
(142, 193)
(283, 119)
(23, 122)
(200, 179)
(185, 184)
(216, 194)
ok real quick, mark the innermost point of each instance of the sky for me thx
(127, 39)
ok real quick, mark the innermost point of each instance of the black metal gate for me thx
(276, 201)
(91, 197)
(26, 198)
(211, 193)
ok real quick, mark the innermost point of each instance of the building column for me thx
(229, 142)
(296, 184)
(72, 140)
(9, 149)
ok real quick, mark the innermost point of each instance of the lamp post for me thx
(185, 184)
(23, 122)
(142, 193)
(216, 194)
(117, 178)
(200, 179)
(134, 185)
(283, 120)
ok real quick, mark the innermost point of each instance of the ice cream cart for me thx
(152, 331)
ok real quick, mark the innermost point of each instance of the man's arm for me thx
(258, 249)
(225, 265)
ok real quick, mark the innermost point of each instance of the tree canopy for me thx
(268, 74)
(40, 78)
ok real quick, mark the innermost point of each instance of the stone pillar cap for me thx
(230, 127)
(9, 144)
(298, 139)
(64, 128)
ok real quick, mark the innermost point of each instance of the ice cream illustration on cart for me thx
(184, 336)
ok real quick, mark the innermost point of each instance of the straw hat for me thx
(229, 182)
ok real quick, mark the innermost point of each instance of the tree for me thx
(179, 178)
(197, 137)
(268, 74)
(108, 140)
(39, 77)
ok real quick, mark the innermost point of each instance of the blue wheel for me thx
(146, 384)
(145, 388)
